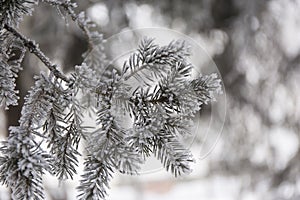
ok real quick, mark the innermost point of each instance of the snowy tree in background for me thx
(141, 110)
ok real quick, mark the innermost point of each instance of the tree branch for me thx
(136, 71)
(68, 6)
(34, 48)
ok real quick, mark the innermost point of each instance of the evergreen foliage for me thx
(12, 11)
(11, 56)
(143, 109)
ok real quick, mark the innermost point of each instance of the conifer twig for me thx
(68, 7)
(34, 48)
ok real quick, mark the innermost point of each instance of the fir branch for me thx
(79, 19)
(33, 48)
(11, 12)
(11, 54)
(64, 130)
(37, 104)
(85, 79)
(86, 82)
(162, 111)
(110, 135)
(147, 120)
(64, 136)
(22, 165)
(65, 152)
(69, 7)
(178, 125)
(107, 151)
(111, 148)
(154, 58)
(95, 56)
(95, 180)
(8, 94)
(142, 139)
(206, 86)
(23, 156)
(180, 97)
(158, 113)
(172, 154)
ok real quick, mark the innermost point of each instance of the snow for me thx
(214, 188)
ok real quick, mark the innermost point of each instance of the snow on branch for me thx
(22, 160)
(11, 53)
(135, 119)
(34, 48)
(11, 12)
(144, 109)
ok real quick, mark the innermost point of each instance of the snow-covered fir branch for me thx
(12, 11)
(22, 160)
(34, 48)
(95, 56)
(11, 55)
(95, 180)
(10, 14)
(63, 130)
(144, 109)
(136, 120)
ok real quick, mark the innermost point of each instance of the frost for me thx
(141, 110)
(8, 94)
(9, 67)
(156, 110)
(11, 12)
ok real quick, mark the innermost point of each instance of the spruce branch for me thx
(22, 165)
(12, 53)
(172, 154)
(63, 130)
(111, 147)
(23, 161)
(65, 152)
(69, 7)
(8, 94)
(11, 12)
(133, 120)
(155, 58)
(34, 48)
(79, 19)
(95, 56)
(163, 110)
(95, 180)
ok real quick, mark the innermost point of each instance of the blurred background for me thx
(256, 47)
